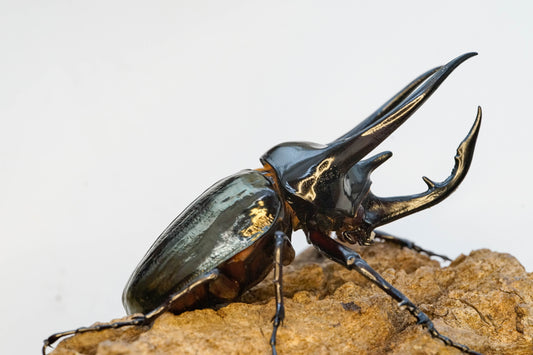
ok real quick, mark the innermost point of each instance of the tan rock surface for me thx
(484, 300)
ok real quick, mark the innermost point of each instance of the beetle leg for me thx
(353, 261)
(134, 319)
(208, 276)
(407, 244)
(280, 239)
(137, 318)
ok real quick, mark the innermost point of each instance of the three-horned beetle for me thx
(231, 236)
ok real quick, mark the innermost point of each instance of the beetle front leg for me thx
(280, 239)
(353, 261)
(407, 244)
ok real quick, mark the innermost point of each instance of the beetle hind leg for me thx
(406, 243)
(353, 261)
(136, 319)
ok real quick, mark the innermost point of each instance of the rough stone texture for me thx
(484, 300)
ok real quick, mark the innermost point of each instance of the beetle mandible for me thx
(231, 236)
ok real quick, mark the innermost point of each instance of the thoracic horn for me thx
(361, 140)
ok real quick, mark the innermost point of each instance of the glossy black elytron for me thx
(231, 236)
(207, 233)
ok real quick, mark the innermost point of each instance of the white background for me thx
(116, 114)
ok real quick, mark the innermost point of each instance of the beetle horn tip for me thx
(471, 138)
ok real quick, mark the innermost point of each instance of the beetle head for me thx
(328, 186)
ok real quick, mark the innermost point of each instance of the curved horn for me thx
(380, 210)
(389, 105)
(354, 146)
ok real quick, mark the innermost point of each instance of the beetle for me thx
(238, 230)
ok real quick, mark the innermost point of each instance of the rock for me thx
(484, 300)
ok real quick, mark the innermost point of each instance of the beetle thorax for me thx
(325, 192)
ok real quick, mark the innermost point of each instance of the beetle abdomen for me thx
(225, 220)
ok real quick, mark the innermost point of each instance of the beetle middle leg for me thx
(407, 244)
(280, 240)
(353, 261)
